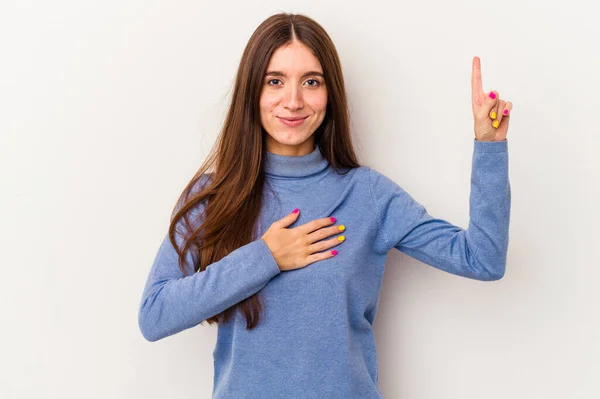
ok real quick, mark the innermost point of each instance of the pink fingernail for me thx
(505, 112)
(332, 219)
(296, 210)
(492, 95)
(334, 252)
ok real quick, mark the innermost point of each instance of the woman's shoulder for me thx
(360, 172)
(371, 177)
(379, 183)
(204, 180)
(196, 185)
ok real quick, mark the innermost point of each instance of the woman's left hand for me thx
(490, 112)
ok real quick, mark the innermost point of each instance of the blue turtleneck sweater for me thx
(315, 339)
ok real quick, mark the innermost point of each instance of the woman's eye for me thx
(313, 80)
(271, 80)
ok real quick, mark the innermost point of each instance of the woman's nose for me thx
(293, 99)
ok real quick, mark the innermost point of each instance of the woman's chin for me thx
(291, 137)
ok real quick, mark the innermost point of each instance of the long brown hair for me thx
(231, 194)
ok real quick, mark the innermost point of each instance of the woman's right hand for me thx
(297, 247)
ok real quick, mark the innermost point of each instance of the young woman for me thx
(283, 243)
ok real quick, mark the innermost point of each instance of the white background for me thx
(107, 108)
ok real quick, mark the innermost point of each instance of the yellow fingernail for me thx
(342, 228)
(493, 116)
(495, 124)
(341, 238)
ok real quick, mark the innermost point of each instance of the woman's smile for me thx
(292, 122)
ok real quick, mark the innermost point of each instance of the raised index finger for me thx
(477, 93)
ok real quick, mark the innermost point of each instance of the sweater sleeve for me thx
(480, 251)
(172, 302)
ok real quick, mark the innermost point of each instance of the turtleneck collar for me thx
(294, 166)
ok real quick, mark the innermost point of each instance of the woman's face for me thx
(293, 87)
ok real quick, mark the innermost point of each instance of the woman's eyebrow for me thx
(310, 73)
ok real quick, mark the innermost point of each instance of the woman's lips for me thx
(292, 122)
